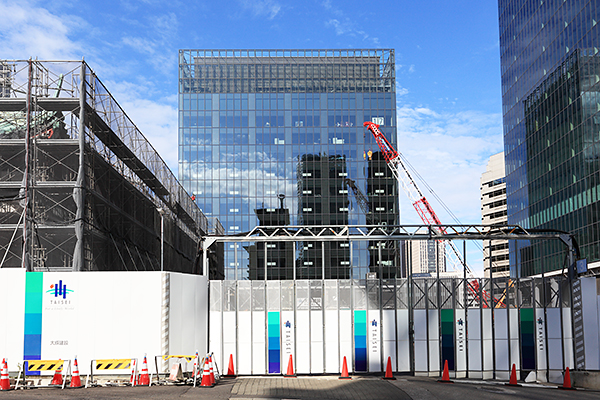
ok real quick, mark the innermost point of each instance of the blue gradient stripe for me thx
(274, 342)
(360, 341)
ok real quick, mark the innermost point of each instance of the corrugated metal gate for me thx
(480, 326)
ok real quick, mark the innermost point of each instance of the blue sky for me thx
(447, 59)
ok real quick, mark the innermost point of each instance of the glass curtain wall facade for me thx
(273, 137)
(551, 104)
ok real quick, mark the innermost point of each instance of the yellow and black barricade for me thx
(178, 357)
(38, 366)
(117, 365)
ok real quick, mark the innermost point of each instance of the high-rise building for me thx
(256, 124)
(550, 103)
(493, 212)
(426, 256)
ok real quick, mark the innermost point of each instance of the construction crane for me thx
(424, 209)
(360, 199)
(408, 184)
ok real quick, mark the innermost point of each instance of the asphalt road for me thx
(321, 387)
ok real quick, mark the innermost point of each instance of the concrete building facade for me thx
(493, 212)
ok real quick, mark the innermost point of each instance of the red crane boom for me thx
(400, 172)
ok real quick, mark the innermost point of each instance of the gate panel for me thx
(259, 328)
(345, 328)
(554, 339)
(229, 324)
(316, 327)
(274, 342)
(461, 343)
(527, 339)
(501, 343)
(245, 332)
(388, 331)
(434, 343)
(540, 338)
(216, 322)
(302, 328)
(374, 325)
(420, 334)
(568, 338)
(403, 341)
(447, 337)
(515, 354)
(360, 340)
(360, 326)
(474, 342)
(288, 324)
(488, 345)
(331, 328)
(403, 324)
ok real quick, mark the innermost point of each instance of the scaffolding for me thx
(81, 189)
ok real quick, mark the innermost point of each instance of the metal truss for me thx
(391, 233)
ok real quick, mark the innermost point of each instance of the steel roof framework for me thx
(385, 233)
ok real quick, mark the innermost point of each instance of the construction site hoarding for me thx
(102, 315)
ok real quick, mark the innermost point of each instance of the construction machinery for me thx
(423, 207)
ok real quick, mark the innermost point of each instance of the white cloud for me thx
(30, 31)
(260, 8)
(450, 151)
(343, 25)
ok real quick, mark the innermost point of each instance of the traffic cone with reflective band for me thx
(75, 378)
(345, 370)
(445, 374)
(4, 379)
(388, 370)
(206, 375)
(57, 379)
(230, 368)
(144, 377)
(212, 372)
(513, 377)
(290, 369)
(567, 382)
(134, 378)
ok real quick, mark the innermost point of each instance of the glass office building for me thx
(551, 109)
(276, 137)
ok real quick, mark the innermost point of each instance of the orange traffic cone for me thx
(206, 382)
(290, 370)
(388, 370)
(75, 379)
(513, 377)
(144, 377)
(57, 379)
(345, 370)
(212, 372)
(445, 374)
(567, 382)
(230, 369)
(4, 380)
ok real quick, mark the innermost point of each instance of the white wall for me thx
(107, 315)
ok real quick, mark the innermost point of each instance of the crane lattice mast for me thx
(408, 184)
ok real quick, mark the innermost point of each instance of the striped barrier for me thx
(113, 364)
(179, 358)
(35, 366)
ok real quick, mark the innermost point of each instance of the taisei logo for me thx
(59, 290)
